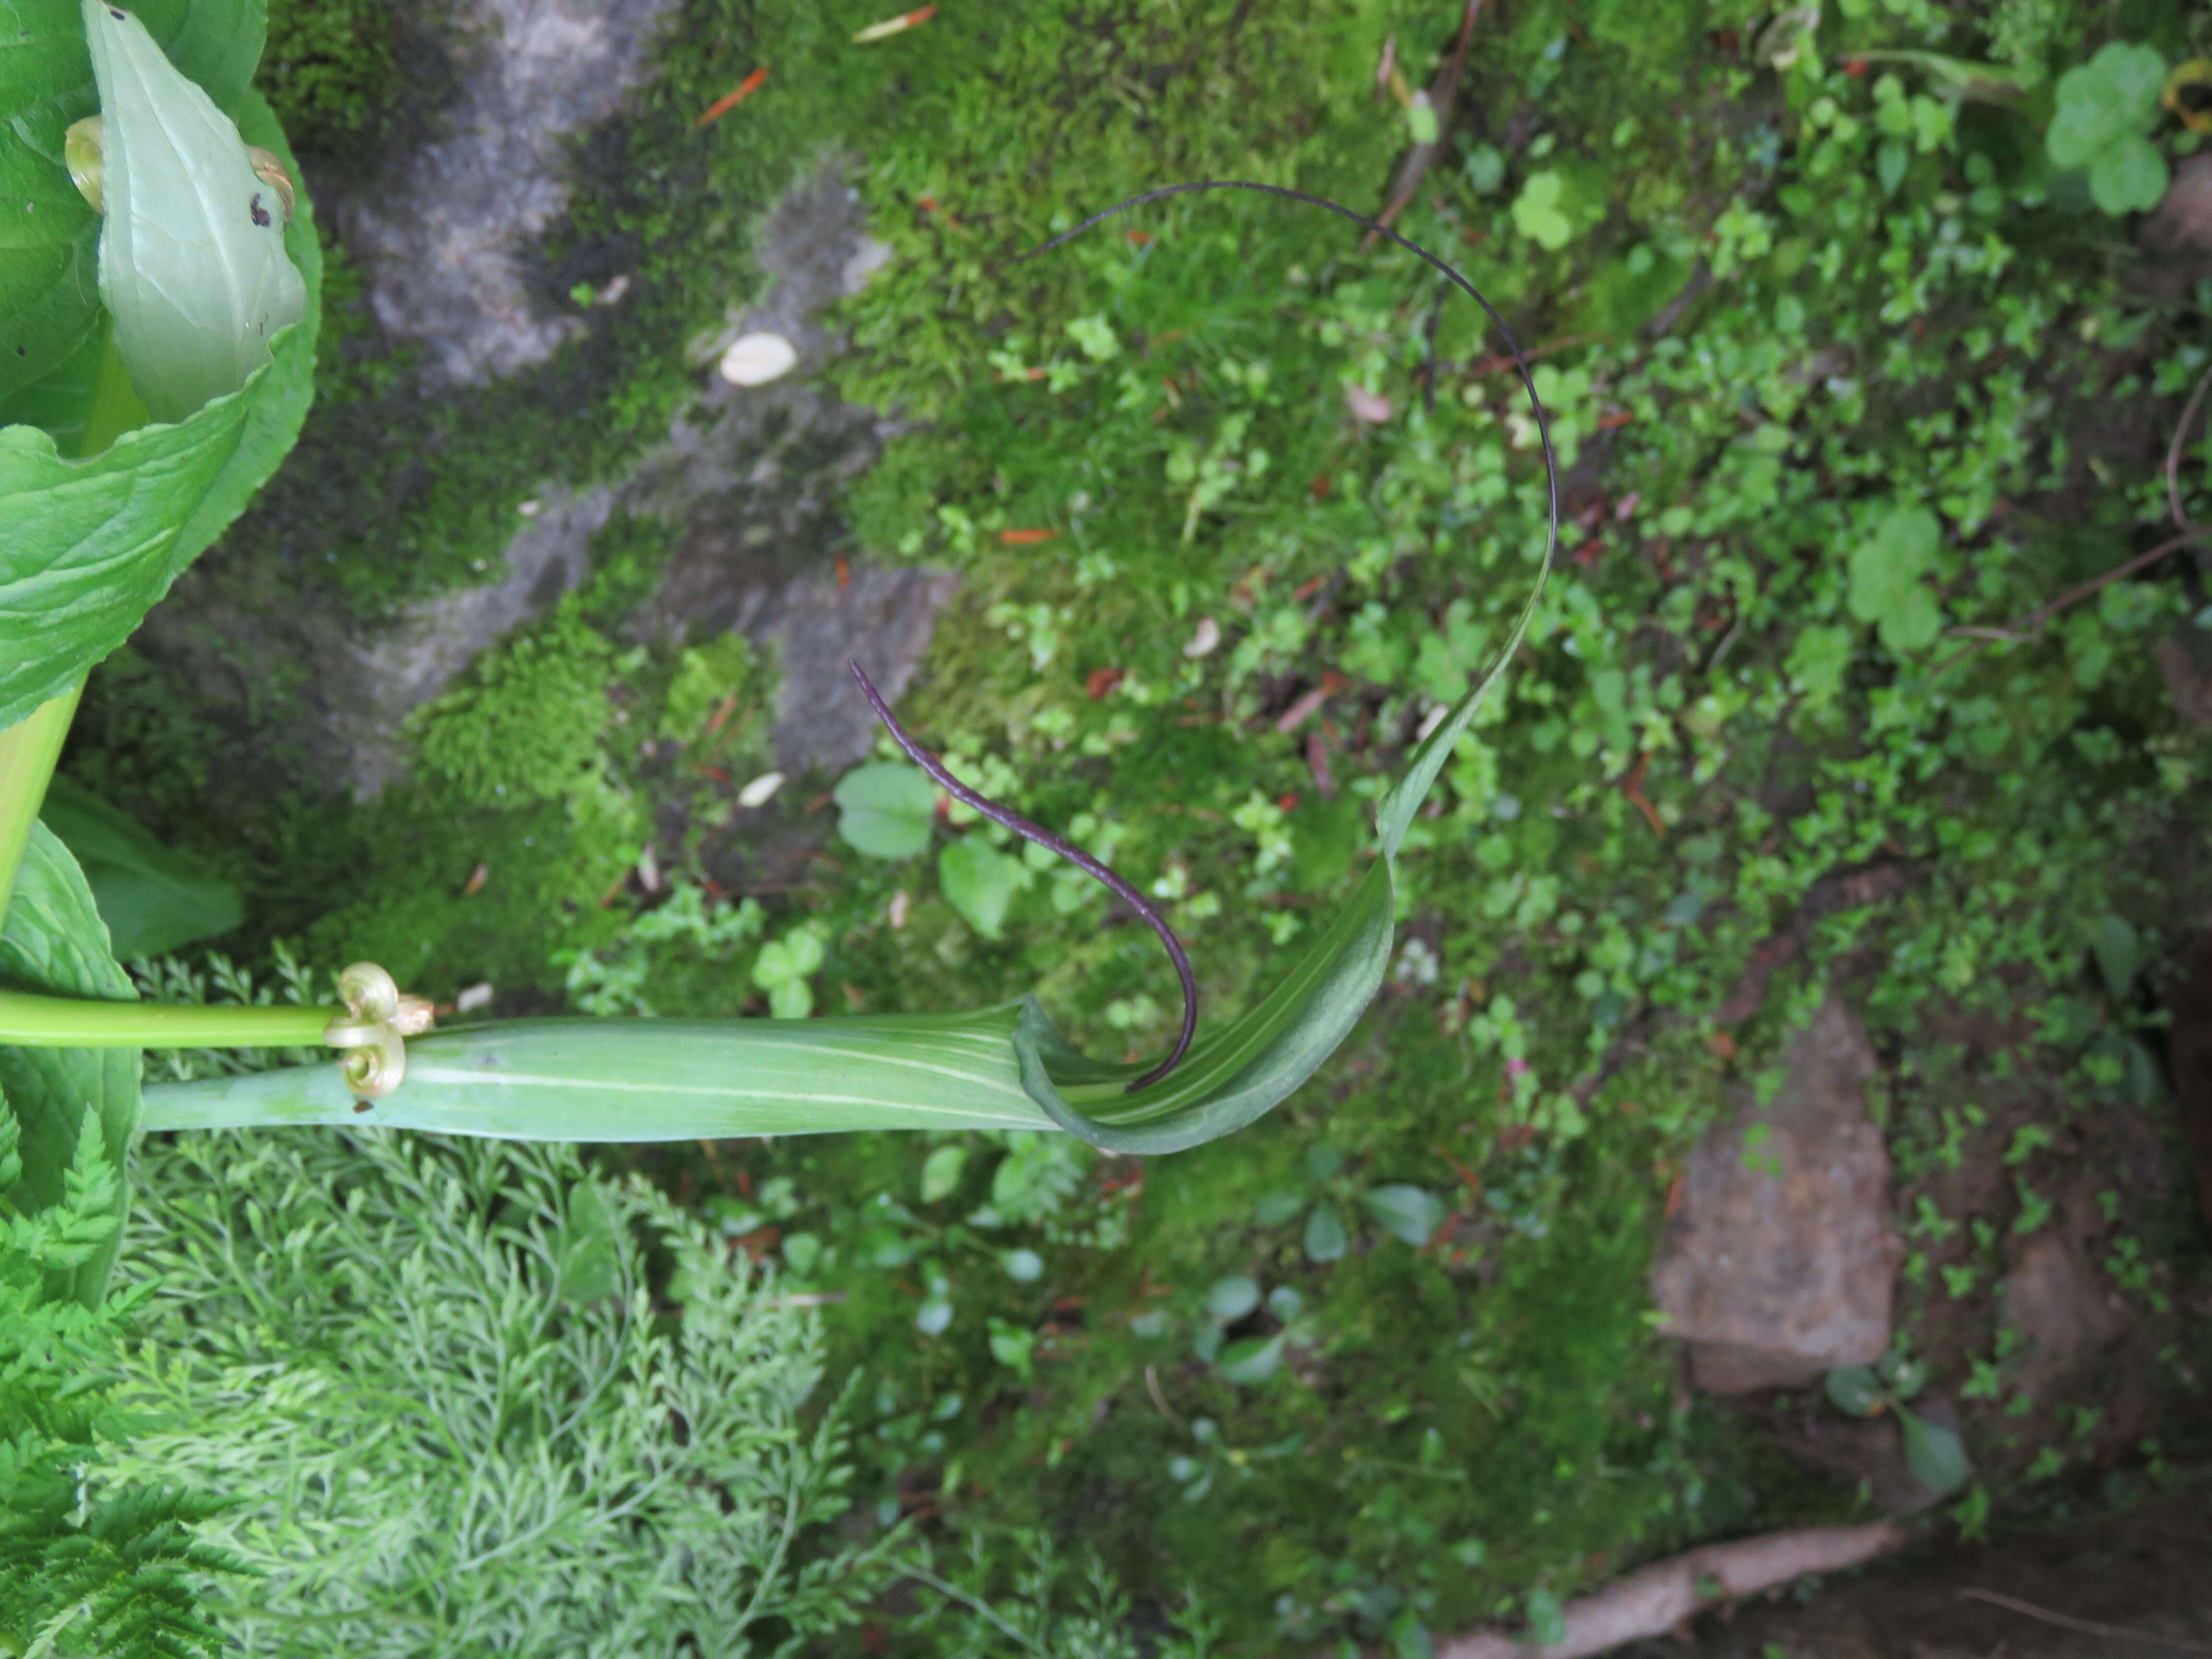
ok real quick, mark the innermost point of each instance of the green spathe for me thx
(49, 292)
(91, 544)
(192, 261)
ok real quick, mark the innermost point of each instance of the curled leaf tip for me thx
(1075, 855)
(81, 153)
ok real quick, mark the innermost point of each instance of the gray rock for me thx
(397, 671)
(445, 225)
(1774, 1279)
(442, 230)
(750, 476)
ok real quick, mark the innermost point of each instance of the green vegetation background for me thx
(1837, 362)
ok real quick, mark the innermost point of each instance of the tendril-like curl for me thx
(1074, 854)
(1043, 837)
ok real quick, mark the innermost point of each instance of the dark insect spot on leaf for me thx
(362, 1105)
(117, 13)
(22, 352)
(260, 213)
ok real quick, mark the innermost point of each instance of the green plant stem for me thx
(66, 1022)
(28, 751)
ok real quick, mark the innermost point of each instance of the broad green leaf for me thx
(1933, 1453)
(1886, 585)
(1855, 1389)
(1326, 1239)
(53, 942)
(1405, 1213)
(49, 293)
(192, 263)
(980, 882)
(886, 808)
(61, 401)
(940, 1173)
(92, 544)
(150, 902)
(1252, 1360)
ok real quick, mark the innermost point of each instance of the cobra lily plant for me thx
(142, 411)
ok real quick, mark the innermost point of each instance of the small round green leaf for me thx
(1855, 1389)
(885, 809)
(1325, 1238)
(981, 882)
(1231, 1298)
(2129, 177)
(1253, 1360)
(940, 1173)
(1933, 1453)
(1275, 1208)
(1405, 1213)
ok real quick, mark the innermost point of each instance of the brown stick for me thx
(2087, 1626)
(1491, 364)
(1653, 1601)
(2033, 620)
(1446, 88)
(2173, 455)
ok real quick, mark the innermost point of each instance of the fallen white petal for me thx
(756, 359)
(760, 790)
(1208, 636)
(1369, 406)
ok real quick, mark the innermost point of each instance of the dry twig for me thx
(2174, 454)
(2087, 1626)
(1441, 95)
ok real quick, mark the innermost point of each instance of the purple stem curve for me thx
(1074, 854)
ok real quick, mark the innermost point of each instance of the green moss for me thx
(524, 723)
(329, 70)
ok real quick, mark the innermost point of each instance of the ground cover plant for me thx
(1865, 394)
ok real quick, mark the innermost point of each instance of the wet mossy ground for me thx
(1792, 312)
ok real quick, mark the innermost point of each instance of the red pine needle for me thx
(729, 100)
